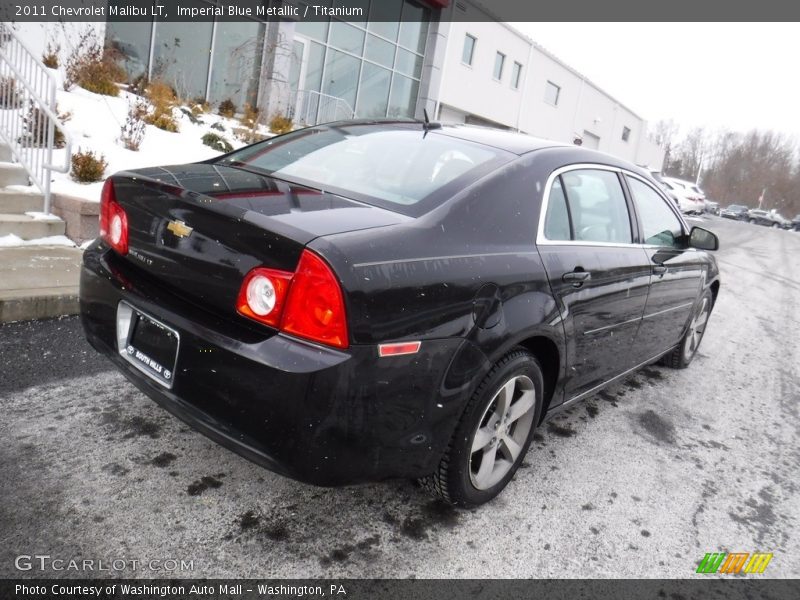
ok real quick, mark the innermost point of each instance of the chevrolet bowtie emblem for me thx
(180, 229)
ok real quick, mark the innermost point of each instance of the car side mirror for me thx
(703, 239)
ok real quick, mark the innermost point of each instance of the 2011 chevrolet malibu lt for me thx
(365, 300)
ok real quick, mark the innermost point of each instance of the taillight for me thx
(315, 308)
(263, 295)
(113, 220)
(307, 303)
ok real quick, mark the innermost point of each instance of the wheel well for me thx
(546, 352)
(714, 290)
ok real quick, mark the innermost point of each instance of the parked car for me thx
(667, 189)
(692, 189)
(711, 207)
(770, 218)
(687, 202)
(363, 300)
(796, 223)
(735, 211)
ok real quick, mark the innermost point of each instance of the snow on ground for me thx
(95, 122)
(40, 216)
(95, 125)
(12, 241)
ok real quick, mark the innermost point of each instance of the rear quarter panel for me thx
(468, 270)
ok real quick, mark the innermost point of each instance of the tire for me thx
(775, 225)
(482, 434)
(681, 356)
(752, 221)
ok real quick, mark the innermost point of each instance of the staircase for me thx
(36, 281)
(14, 204)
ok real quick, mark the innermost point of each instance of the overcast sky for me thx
(734, 75)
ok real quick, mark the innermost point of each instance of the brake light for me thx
(315, 307)
(307, 303)
(113, 220)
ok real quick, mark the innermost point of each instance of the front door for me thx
(599, 277)
(677, 270)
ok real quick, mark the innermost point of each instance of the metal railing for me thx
(29, 123)
(311, 108)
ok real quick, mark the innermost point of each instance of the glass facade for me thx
(181, 56)
(374, 65)
(130, 43)
(236, 62)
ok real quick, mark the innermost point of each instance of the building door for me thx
(591, 140)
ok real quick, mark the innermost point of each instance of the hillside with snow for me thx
(94, 123)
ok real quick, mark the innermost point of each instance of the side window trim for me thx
(569, 210)
(541, 238)
(639, 230)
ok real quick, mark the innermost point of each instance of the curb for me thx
(38, 305)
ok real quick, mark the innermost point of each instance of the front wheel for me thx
(681, 356)
(493, 435)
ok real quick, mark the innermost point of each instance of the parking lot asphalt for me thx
(639, 481)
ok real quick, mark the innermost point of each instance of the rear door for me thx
(677, 270)
(598, 275)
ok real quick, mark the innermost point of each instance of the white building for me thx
(487, 72)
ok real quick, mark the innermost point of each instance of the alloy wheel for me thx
(502, 432)
(696, 330)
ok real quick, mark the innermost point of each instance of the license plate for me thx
(147, 344)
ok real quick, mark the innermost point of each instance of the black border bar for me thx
(700, 588)
(445, 10)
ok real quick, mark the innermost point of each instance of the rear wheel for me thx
(681, 356)
(752, 221)
(775, 225)
(493, 435)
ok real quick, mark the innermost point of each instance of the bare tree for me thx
(664, 133)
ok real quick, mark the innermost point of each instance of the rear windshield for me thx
(395, 166)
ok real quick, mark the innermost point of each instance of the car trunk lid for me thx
(198, 229)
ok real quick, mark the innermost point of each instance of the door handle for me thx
(660, 270)
(576, 277)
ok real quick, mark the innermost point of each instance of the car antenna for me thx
(427, 125)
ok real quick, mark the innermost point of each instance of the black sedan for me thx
(768, 218)
(364, 300)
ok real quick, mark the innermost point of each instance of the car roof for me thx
(516, 143)
(510, 141)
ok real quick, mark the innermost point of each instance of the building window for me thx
(552, 93)
(469, 49)
(499, 63)
(516, 75)
(374, 65)
(626, 134)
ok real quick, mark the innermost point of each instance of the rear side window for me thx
(588, 205)
(660, 225)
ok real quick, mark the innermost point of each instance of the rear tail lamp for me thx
(307, 303)
(113, 220)
(263, 295)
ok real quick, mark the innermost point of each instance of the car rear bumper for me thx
(315, 414)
